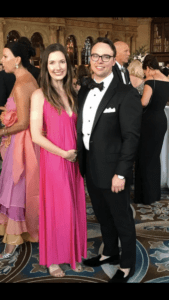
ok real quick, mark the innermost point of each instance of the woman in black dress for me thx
(154, 127)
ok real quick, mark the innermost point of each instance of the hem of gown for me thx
(15, 233)
(72, 264)
(14, 213)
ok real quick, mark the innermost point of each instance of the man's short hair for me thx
(106, 41)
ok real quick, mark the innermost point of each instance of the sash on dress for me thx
(24, 158)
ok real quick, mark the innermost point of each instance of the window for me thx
(160, 35)
(72, 49)
(37, 43)
(87, 51)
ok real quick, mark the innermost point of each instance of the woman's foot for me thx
(56, 271)
(78, 268)
(9, 251)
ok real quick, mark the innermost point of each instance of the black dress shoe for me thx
(119, 276)
(95, 261)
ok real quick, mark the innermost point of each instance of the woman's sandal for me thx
(56, 271)
(5, 255)
(79, 268)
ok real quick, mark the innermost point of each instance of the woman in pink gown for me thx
(62, 219)
(19, 179)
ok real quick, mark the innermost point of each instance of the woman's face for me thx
(8, 60)
(57, 65)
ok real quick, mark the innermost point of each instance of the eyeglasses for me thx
(105, 57)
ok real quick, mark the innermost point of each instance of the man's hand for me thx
(117, 184)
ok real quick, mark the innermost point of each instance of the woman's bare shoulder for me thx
(38, 93)
(148, 78)
(37, 99)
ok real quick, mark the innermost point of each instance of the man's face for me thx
(123, 54)
(100, 68)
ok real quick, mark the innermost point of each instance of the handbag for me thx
(145, 109)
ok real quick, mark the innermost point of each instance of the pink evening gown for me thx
(19, 184)
(62, 219)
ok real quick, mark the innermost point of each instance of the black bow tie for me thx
(91, 84)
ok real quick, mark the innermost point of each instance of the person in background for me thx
(62, 219)
(122, 57)
(76, 86)
(7, 80)
(136, 75)
(31, 52)
(153, 129)
(19, 179)
(165, 70)
(82, 72)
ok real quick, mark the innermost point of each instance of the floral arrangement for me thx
(139, 54)
(8, 118)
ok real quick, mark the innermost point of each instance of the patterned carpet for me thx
(152, 263)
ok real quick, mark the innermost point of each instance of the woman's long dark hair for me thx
(45, 82)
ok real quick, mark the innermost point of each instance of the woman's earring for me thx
(16, 66)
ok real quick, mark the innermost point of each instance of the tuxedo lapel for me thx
(106, 98)
(81, 100)
(117, 72)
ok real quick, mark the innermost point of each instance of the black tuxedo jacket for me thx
(117, 73)
(7, 82)
(115, 135)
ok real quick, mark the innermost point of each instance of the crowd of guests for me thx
(39, 111)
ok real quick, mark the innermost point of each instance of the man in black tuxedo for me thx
(165, 70)
(7, 82)
(108, 128)
(122, 57)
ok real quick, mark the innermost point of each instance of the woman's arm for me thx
(147, 93)
(36, 127)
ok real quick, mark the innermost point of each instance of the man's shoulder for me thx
(124, 91)
(124, 87)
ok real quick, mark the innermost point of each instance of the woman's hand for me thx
(71, 155)
(2, 132)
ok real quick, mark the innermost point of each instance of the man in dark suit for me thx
(122, 57)
(108, 128)
(6, 85)
(165, 70)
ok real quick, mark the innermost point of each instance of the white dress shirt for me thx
(90, 107)
(122, 73)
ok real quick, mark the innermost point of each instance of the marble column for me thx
(128, 39)
(79, 51)
(2, 22)
(134, 43)
(53, 34)
(62, 35)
